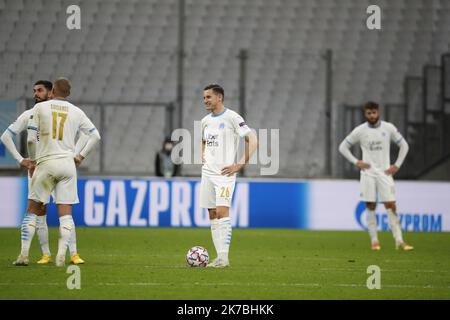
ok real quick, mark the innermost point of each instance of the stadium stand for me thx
(126, 52)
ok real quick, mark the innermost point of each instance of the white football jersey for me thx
(21, 123)
(57, 122)
(375, 145)
(221, 133)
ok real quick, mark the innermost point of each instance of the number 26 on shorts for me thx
(224, 192)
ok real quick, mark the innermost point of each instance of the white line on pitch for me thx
(189, 284)
(266, 285)
(32, 284)
(385, 270)
(206, 284)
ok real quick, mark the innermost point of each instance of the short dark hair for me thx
(370, 105)
(216, 89)
(47, 84)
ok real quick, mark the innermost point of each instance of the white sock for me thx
(215, 234)
(372, 225)
(225, 237)
(27, 232)
(394, 224)
(73, 242)
(65, 230)
(42, 231)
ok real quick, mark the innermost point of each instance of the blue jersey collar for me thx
(219, 114)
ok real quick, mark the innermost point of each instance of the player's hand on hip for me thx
(362, 165)
(392, 170)
(231, 169)
(25, 163)
(78, 159)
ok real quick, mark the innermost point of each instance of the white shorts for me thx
(216, 191)
(58, 175)
(382, 185)
(29, 187)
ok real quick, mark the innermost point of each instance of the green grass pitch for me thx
(126, 263)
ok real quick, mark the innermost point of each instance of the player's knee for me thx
(212, 214)
(64, 209)
(34, 207)
(390, 205)
(43, 210)
(222, 212)
(371, 205)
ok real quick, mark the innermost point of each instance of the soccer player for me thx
(374, 138)
(221, 130)
(53, 166)
(41, 90)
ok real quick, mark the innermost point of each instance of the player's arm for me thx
(88, 128)
(251, 144)
(92, 141)
(344, 149)
(81, 143)
(404, 148)
(79, 146)
(13, 130)
(7, 140)
(403, 151)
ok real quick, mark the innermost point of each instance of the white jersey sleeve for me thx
(347, 143)
(398, 139)
(8, 142)
(88, 128)
(239, 125)
(354, 136)
(396, 136)
(21, 123)
(86, 125)
(81, 141)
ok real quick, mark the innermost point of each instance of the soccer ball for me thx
(197, 257)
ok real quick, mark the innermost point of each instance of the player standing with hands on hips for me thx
(374, 137)
(36, 221)
(57, 121)
(221, 130)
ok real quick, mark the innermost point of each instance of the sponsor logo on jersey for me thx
(375, 145)
(212, 140)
